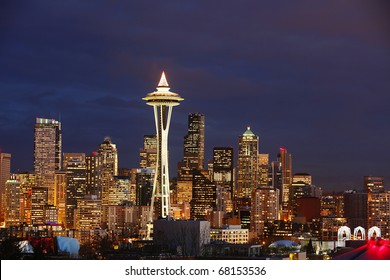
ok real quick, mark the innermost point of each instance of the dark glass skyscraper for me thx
(194, 142)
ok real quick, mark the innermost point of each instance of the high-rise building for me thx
(194, 142)
(378, 204)
(374, 184)
(88, 213)
(148, 155)
(162, 101)
(203, 195)
(39, 199)
(355, 208)
(248, 148)
(286, 161)
(75, 167)
(12, 202)
(108, 154)
(61, 196)
(5, 174)
(184, 186)
(119, 192)
(27, 182)
(264, 178)
(223, 168)
(47, 153)
(144, 183)
(93, 172)
(264, 208)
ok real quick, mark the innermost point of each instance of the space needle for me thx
(162, 101)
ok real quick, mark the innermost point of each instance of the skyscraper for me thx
(203, 195)
(286, 161)
(248, 147)
(75, 167)
(5, 174)
(194, 142)
(148, 154)
(108, 154)
(223, 168)
(162, 101)
(93, 172)
(47, 153)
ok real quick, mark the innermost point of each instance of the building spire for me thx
(163, 81)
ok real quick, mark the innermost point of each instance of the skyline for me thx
(316, 86)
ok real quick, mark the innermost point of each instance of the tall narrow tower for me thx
(162, 101)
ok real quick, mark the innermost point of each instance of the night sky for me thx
(311, 76)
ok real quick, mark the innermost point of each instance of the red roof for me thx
(375, 249)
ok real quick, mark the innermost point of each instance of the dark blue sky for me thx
(312, 76)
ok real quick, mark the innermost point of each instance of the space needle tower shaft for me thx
(162, 101)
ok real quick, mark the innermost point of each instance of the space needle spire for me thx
(162, 101)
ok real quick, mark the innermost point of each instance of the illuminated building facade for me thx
(108, 154)
(148, 155)
(5, 174)
(39, 199)
(93, 174)
(264, 208)
(263, 168)
(88, 213)
(184, 187)
(119, 191)
(248, 147)
(223, 168)
(75, 167)
(163, 101)
(47, 153)
(60, 195)
(194, 142)
(286, 161)
(12, 202)
(203, 195)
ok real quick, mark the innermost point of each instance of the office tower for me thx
(263, 161)
(75, 167)
(12, 202)
(184, 187)
(144, 183)
(248, 147)
(303, 178)
(162, 101)
(223, 162)
(286, 161)
(27, 182)
(88, 213)
(5, 174)
(300, 187)
(264, 208)
(203, 195)
(119, 191)
(148, 154)
(194, 142)
(47, 153)
(61, 195)
(51, 214)
(132, 174)
(108, 169)
(39, 199)
(355, 208)
(373, 184)
(93, 172)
